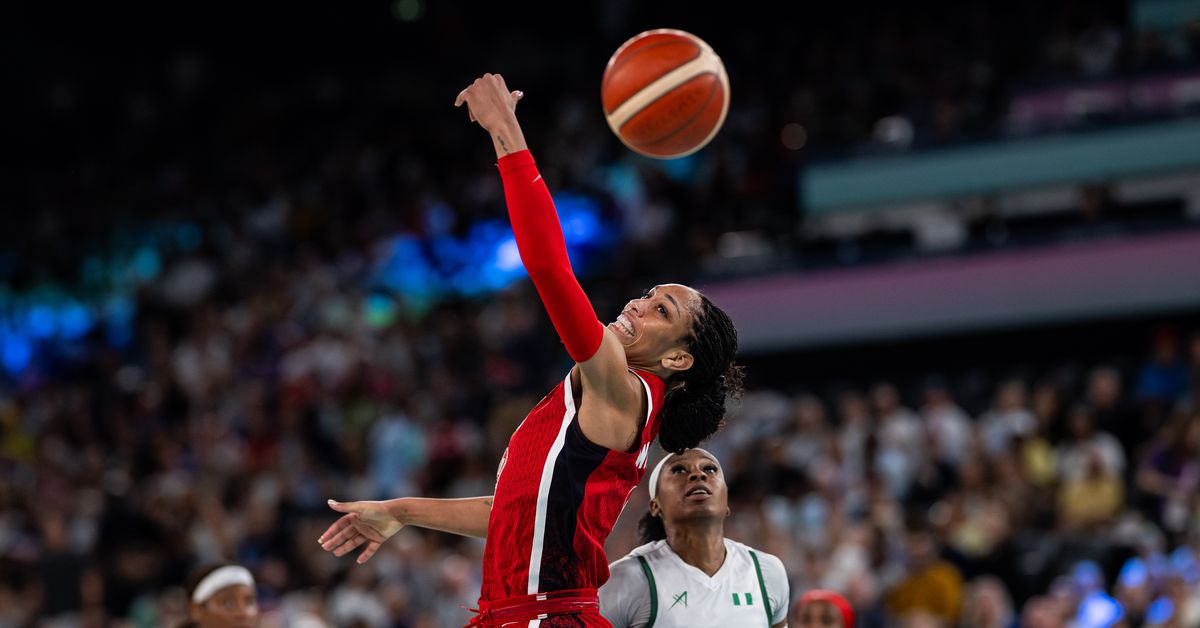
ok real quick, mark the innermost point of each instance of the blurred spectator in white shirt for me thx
(1009, 418)
(948, 425)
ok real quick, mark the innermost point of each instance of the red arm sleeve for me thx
(544, 253)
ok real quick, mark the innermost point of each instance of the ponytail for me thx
(694, 409)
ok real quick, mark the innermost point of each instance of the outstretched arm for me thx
(534, 219)
(612, 417)
(544, 253)
(373, 522)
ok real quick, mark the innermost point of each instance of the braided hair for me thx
(694, 408)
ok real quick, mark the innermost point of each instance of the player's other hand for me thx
(368, 523)
(489, 102)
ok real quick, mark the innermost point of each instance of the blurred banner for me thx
(870, 182)
(1147, 274)
(1067, 106)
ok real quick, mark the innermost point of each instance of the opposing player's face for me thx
(655, 328)
(819, 615)
(691, 485)
(232, 607)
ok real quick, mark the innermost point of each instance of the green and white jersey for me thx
(652, 586)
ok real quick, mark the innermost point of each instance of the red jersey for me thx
(558, 496)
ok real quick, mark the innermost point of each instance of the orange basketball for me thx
(665, 93)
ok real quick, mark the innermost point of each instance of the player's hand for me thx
(365, 522)
(489, 102)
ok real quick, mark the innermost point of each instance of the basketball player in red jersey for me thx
(662, 369)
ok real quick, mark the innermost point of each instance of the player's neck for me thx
(701, 546)
(656, 369)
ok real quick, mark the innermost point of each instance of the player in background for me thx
(688, 573)
(661, 370)
(821, 608)
(222, 596)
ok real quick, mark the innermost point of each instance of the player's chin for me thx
(702, 504)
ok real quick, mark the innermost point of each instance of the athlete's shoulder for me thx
(766, 561)
(625, 600)
(655, 383)
(649, 550)
(623, 568)
(628, 567)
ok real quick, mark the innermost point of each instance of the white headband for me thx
(659, 466)
(226, 576)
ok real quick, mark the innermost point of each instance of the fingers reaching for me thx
(367, 553)
(462, 98)
(346, 531)
(337, 527)
(352, 531)
(351, 543)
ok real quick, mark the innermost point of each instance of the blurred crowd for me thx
(222, 430)
(222, 215)
(1065, 493)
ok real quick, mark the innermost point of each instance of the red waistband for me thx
(536, 606)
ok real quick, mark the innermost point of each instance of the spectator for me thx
(1163, 379)
(1112, 413)
(1170, 474)
(948, 425)
(978, 521)
(60, 569)
(931, 585)
(901, 439)
(1008, 419)
(1043, 612)
(854, 421)
(806, 442)
(1086, 445)
(1092, 500)
(988, 605)
(1036, 453)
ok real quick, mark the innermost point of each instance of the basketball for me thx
(665, 93)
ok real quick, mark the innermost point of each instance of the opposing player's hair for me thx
(651, 528)
(694, 409)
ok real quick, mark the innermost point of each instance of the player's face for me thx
(232, 607)
(819, 615)
(655, 328)
(692, 485)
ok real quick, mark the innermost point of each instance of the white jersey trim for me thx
(644, 453)
(539, 520)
